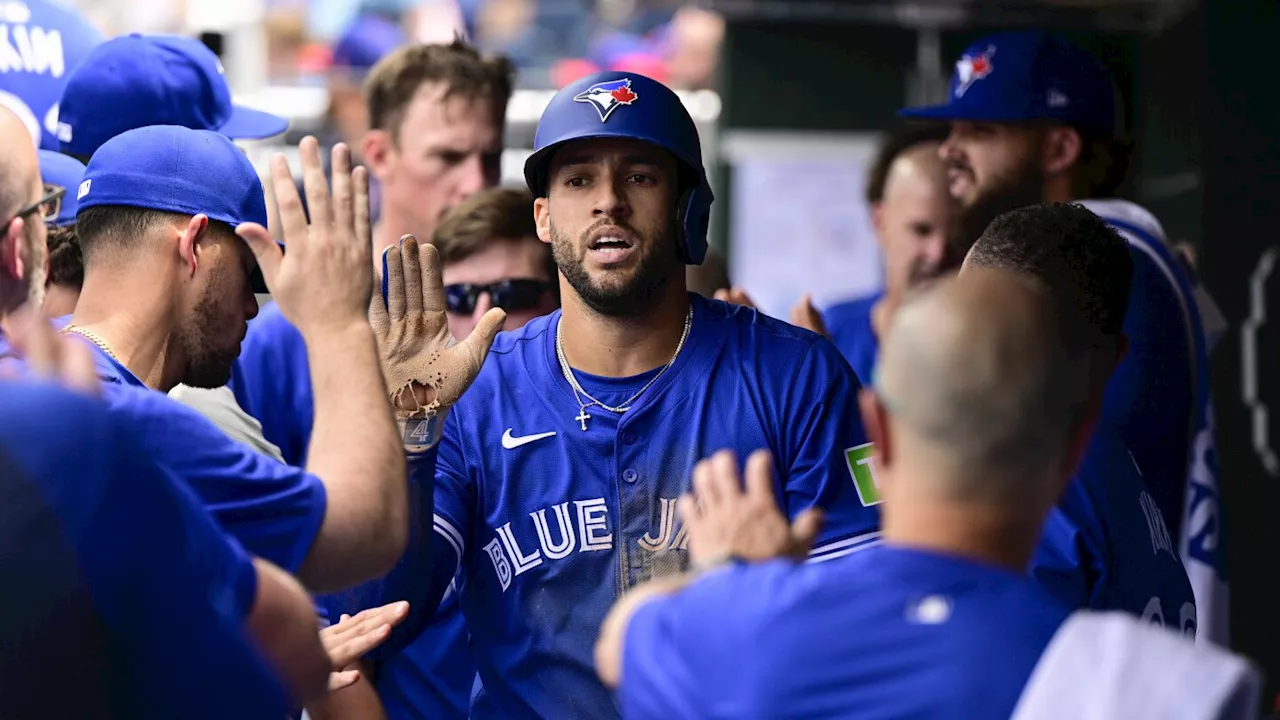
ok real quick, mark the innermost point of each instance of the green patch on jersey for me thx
(861, 462)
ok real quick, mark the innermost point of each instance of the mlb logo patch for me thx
(971, 68)
(84, 189)
(606, 97)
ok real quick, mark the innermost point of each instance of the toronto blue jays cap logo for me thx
(608, 96)
(973, 67)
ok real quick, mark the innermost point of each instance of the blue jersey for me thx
(40, 44)
(548, 522)
(1106, 546)
(272, 382)
(122, 597)
(1164, 412)
(274, 510)
(889, 633)
(849, 326)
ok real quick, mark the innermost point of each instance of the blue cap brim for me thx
(249, 124)
(962, 111)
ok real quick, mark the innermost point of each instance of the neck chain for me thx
(91, 337)
(579, 393)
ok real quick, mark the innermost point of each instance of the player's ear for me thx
(877, 221)
(542, 218)
(11, 249)
(1062, 149)
(189, 237)
(375, 148)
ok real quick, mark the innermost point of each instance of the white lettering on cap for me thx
(84, 190)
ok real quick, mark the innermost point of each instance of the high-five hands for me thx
(323, 281)
(48, 355)
(426, 371)
(725, 520)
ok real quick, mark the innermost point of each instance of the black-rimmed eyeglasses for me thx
(48, 205)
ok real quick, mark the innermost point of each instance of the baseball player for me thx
(42, 43)
(559, 470)
(911, 212)
(117, 580)
(1033, 118)
(975, 411)
(1105, 545)
(166, 299)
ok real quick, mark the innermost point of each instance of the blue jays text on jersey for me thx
(892, 632)
(40, 44)
(114, 571)
(549, 523)
(1105, 545)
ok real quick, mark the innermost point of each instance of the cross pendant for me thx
(583, 417)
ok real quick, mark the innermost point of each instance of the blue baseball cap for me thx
(138, 80)
(175, 169)
(1024, 76)
(63, 171)
(366, 41)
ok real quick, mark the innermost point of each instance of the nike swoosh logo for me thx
(510, 442)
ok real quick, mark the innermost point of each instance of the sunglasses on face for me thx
(47, 206)
(510, 295)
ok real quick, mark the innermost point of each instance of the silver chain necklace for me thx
(579, 392)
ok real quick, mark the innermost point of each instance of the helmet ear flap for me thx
(693, 217)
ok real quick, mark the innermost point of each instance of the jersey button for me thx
(628, 437)
(630, 475)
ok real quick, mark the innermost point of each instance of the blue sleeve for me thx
(828, 456)
(1063, 564)
(426, 570)
(1149, 396)
(687, 655)
(274, 510)
(272, 382)
(194, 588)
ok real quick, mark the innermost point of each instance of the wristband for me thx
(702, 566)
(422, 433)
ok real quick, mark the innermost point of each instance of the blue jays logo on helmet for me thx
(972, 67)
(606, 97)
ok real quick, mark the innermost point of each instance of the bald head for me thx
(912, 216)
(19, 164)
(975, 376)
(23, 253)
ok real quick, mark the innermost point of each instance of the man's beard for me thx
(1022, 187)
(631, 297)
(207, 366)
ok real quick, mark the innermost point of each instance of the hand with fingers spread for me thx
(323, 281)
(805, 315)
(50, 355)
(354, 636)
(727, 521)
(426, 371)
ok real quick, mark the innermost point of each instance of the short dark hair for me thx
(66, 267)
(394, 81)
(1102, 166)
(492, 214)
(105, 228)
(895, 145)
(1085, 264)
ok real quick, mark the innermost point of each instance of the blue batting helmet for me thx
(627, 105)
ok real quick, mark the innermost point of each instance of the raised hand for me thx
(425, 370)
(726, 520)
(353, 636)
(323, 281)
